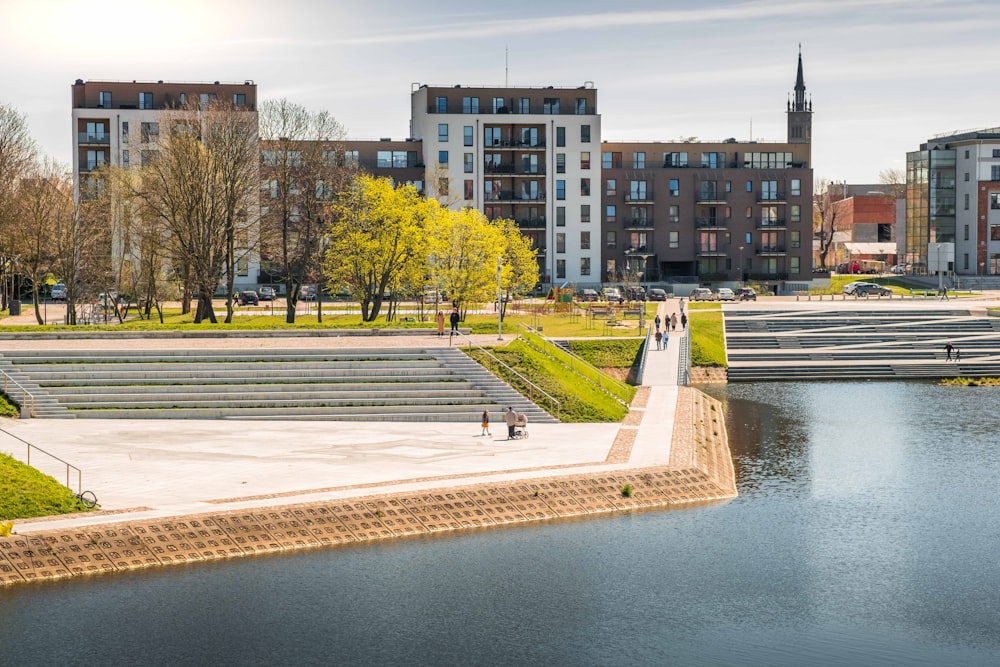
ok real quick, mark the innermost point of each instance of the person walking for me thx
(948, 347)
(486, 423)
(440, 322)
(958, 355)
(944, 293)
(659, 338)
(657, 321)
(454, 320)
(684, 321)
(511, 419)
(673, 322)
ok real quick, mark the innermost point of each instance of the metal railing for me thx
(27, 399)
(534, 391)
(644, 353)
(30, 447)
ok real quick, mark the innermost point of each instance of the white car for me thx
(612, 294)
(702, 294)
(725, 294)
(849, 287)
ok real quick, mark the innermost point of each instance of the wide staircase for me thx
(862, 344)
(372, 384)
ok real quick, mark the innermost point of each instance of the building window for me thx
(145, 100)
(675, 187)
(467, 135)
(637, 190)
(674, 214)
(468, 189)
(611, 240)
(729, 186)
(561, 137)
(584, 187)
(713, 160)
(612, 213)
(965, 261)
(796, 239)
(584, 240)
(584, 134)
(351, 159)
(585, 160)
(749, 186)
(749, 212)
(442, 131)
(443, 158)
(995, 200)
(150, 132)
(795, 264)
(611, 160)
(584, 266)
(443, 186)
(796, 187)
(239, 100)
(795, 213)
(966, 153)
(769, 190)
(470, 105)
(441, 104)
(584, 212)
(560, 163)
(966, 177)
(581, 106)
(749, 238)
(529, 164)
(612, 188)
(499, 106)
(492, 136)
(561, 269)
(966, 201)
(524, 105)
(467, 163)
(560, 189)
(995, 172)
(550, 105)
(124, 131)
(561, 242)
(529, 136)
(674, 239)
(966, 232)
(125, 164)
(560, 216)
(675, 159)
(104, 99)
(995, 236)
(639, 160)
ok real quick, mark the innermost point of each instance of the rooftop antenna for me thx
(751, 128)
(506, 66)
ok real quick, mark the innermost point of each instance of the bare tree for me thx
(17, 155)
(826, 194)
(895, 179)
(303, 167)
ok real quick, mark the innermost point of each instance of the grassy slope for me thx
(708, 345)
(25, 492)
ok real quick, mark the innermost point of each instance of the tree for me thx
(376, 233)
(826, 194)
(520, 263)
(465, 247)
(17, 155)
(895, 180)
(303, 167)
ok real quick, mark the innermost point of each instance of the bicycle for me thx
(88, 499)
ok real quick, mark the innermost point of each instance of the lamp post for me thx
(499, 303)
(741, 266)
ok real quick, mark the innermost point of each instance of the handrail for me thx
(644, 353)
(27, 398)
(79, 473)
(555, 403)
(617, 389)
(684, 360)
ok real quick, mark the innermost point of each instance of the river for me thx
(866, 532)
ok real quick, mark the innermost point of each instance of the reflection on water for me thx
(865, 533)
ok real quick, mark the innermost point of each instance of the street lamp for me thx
(741, 266)
(499, 303)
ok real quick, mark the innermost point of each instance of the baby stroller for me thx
(521, 426)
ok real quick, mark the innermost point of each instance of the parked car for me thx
(266, 293)
(702, 294)
(871, 289)
(307, 293)
(589, 295)
(635, 293)
(849, 287)
(612, 294)
(900, 268)
(249, 298)
(725, 294)
(657, 294)
(746, 294)
(59, 292)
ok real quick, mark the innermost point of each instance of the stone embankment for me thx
(700, 469)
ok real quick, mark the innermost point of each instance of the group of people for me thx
(510, 417)
(952, 353)
(669, 324)
(454, 318)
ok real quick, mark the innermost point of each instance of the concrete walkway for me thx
(145, 469)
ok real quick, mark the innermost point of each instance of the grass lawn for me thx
(708, 346)
(26, 493)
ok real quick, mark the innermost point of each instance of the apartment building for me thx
(953, 203)
(529, 154)
(118, 123)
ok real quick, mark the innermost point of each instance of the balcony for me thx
(639, 199)
(87, 166)
(511, 196)
(711, 249)
(514, 170)
(639, 251)
(94, 138)
(530, 223)
(638, 223)
(514, 145)
(709, 223)
(771, 250)
(710, 198)
(772, 198)
(771, 223)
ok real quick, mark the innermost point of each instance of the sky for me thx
(883, 75)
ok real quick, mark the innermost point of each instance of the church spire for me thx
(799, 110)
(800, 87)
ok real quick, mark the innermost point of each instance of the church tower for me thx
(799, 111)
